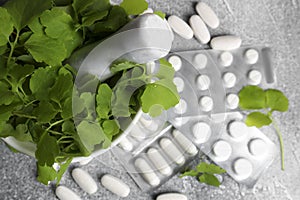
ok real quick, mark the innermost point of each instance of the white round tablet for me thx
(179, 83)
(254, 77)
(243, 168)
(176, 62)
(206, 103)
(232, 101)
(251, 56)
(237, 129)
(201, 132)
(222, 150)
(229, 79)
(203, 82)
(226, 58)
(200, 61)
(181, 107)
(179, 121)
(257, 147)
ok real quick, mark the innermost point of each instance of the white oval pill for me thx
(208, 15)
(171, 196)
(200, 30)
(243, 168)
(257, 147)
(64, 193)
(237, 129)
(138, 133)
(147, 172)
(226, 43)
(159, 162)
(254, 77)
(150, 66)
(222, 150)
(115, 185)
(251, 56)
(180, 27)
(179, 83)
(185, 143)
(232, 101)
(181, 107)
(176, 62)
(229, 79)
(201, 132)
(84, 180)
(172, 151)
(126, 144)
(200, 61)
(203, 82)
(206, 103)
(226, 58)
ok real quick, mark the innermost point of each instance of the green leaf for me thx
(258, 119)
(160, 13)
(89, 20)
(252, 97)
(121, 65)
(89, 104)
(134, 7)
(103, 99)
(209, 168)
(7, 96)
(46, 174)
(36, 26)
(192, 173)
(68, 127)
(45, 49)
(210, 180)
(111, 128)
(19, 73)
(24, 11)
(276, 100)
(6, 26)
(63, 168)
(62, 88)
(45, 112)
(47, 150)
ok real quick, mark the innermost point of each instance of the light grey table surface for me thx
(273, 23)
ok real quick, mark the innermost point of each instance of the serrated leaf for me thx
(276, 100)
(7, 96)
(134, 7)
(24, 11)
(258, 119)
(62, 88)
(19, 73)
(45, 112)
(191, 173)
(46, 174)
(89, 20)
(36, 26)
(111, 128)
(121, 65)
(103, 99)
(6, 26)
(209, 168)
(210, 180)
(252, 97)
(47, 150)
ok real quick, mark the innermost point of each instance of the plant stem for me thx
(281, 143)
(24, 115)
(12, 47)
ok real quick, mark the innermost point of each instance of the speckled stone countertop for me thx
(273, 23)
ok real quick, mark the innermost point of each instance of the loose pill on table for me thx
(115, 185)
(200, 61)
(179, 83)
(126, 144)
(226, 43)
(226, 58)
(180, 27)
(172, 151)
(251, 56)
(181, 107)
(200, 30)
(208, 15)
(201, 132)
(147, 172)
(237, 129)
(222, 150)
(84, 180)
(171, 196)
(206, 103)
(232, 101)
(159, 161)
(254, 77)
(243, 168)
(257, 147)
(203, 82)
(185, 143)
(176, 62)
(64, 193)
(229, 79)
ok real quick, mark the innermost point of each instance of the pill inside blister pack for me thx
(244, 152)
(210, 80)
(154, 163)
